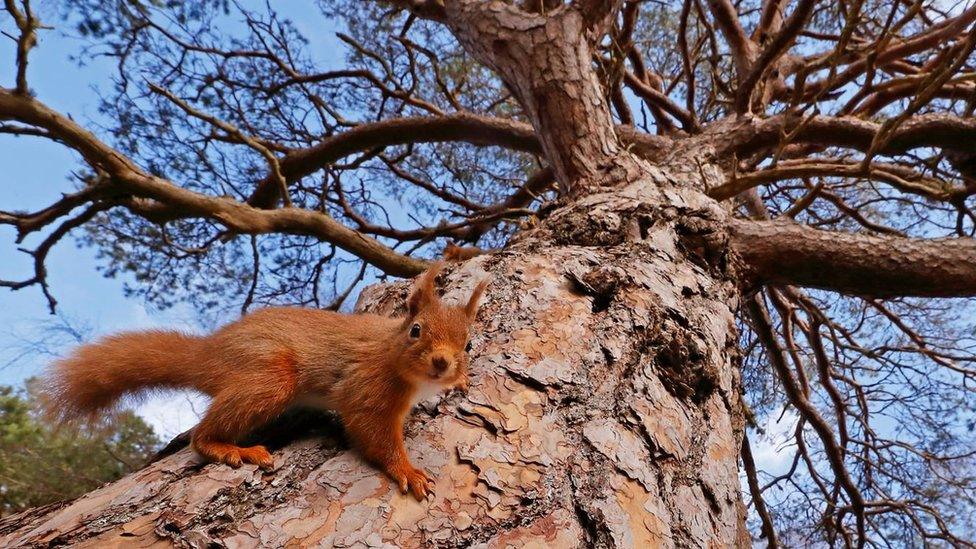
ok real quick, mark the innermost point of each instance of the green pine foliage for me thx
(41, 463)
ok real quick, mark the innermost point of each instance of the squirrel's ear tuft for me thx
(423, 293)
(472, 307)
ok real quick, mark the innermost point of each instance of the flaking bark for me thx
(603, 411)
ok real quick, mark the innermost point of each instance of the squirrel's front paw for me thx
(416, 481)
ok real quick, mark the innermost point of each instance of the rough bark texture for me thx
(547, 63)
(603, 410)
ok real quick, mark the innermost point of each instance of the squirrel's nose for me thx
(440, 363)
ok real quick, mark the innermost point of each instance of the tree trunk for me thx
(603, 410)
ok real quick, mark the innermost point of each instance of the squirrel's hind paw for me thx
(235, 456)
(258, 455)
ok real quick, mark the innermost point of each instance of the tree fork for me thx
(546, 61)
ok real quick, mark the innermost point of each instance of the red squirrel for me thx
(453, 252)
(371, 369)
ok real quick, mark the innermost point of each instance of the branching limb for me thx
(749, 464)
(27, 24)
(237, 216)
(772, 53)
(764, 329)
(925, 130)
(598, 14)
(428, 9)
(878, 266)
(743, 48)
(900, 177)
(662, 101)
(276, 176)
(464, 127)
(40, 253)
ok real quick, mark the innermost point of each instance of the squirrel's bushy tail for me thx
(97, 375)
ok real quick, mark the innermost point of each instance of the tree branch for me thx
(900, 177)
(766, 519)
(27, 25)
(274, 165)
(128, 178)
(927, 130)
(772, 53)
(877, 266)
(659, 99)
(598, 14)
(743, 48)
(428, 9)
(796, 393)
(466, 127)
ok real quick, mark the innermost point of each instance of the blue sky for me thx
(35, 172)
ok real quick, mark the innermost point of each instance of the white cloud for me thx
(172, 412)
(770, 450)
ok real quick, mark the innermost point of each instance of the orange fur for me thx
(369, 368)
(453, 252)
(97, 375)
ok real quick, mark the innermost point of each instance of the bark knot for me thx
(705, 240)
(682, 363)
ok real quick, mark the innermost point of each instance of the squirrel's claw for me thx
(417, 483)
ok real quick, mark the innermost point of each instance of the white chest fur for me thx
(425, 390)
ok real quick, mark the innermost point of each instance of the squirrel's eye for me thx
(467, 348)
(415, 331)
